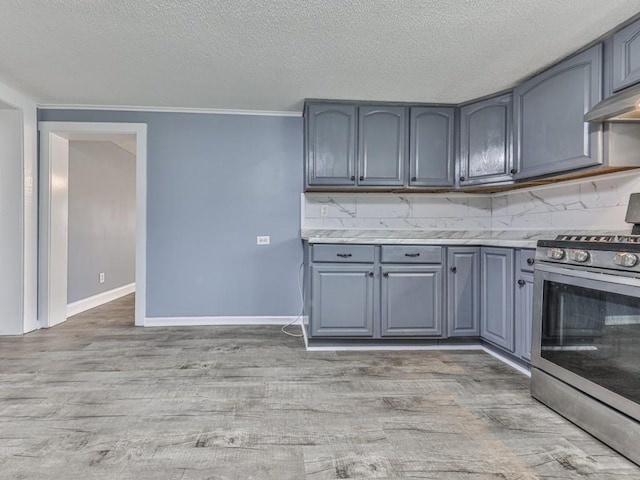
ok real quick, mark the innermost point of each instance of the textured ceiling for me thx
(270, 55)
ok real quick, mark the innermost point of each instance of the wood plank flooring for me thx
(96, 397)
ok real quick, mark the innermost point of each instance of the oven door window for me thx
(593, 333)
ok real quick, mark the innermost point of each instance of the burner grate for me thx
(587, 238)
(600, 238)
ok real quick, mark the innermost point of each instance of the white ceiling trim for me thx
(128, 108)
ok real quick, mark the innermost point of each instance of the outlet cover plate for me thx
(263, 240)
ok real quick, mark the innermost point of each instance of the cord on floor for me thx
(292, 322)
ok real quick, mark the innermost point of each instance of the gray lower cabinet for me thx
(382, 145)
(626, 57)
(411, 300)
(432, 148)
(525, 260)
(463, 292)
(523, 314)
(342, 300)
(486, 141)
(497, 292)
(330, 141)
(550, 134)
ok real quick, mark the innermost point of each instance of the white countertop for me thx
(507, 238)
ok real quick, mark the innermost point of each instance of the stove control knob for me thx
(625, 259)
(555, 253)
(580, 256)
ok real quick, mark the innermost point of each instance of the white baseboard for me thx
(99, 299)
(504, 359)
(373, 348)
(213, 321)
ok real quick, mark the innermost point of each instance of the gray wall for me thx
(102, 214)
(214, 182)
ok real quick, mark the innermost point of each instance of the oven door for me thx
(586, 332)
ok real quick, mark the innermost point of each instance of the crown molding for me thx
(131, 108)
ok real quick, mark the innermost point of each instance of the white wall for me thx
(18, 212)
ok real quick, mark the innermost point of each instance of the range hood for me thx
(623, 106)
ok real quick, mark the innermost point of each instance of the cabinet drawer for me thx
(343, 253)
(411, 254)
(527, 260)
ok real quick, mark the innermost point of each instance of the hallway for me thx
(96, 397)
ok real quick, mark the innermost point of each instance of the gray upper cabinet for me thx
(382, 144)
(497, 290)
(626, 57)
(342, 300)
(550, 134)
(431, 153)
(330, 144)
(411, 301)
(486, 141)
(463, 291)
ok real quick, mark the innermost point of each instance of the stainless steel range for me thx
(586, 336)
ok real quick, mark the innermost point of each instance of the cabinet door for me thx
(330, 144)
(550, 132)
(463, 292)
(496, 318)
(524, 312)
(342, 300)
(382, 141)
(431, 152)
(411, 301)
(485, 141)
(626, 57)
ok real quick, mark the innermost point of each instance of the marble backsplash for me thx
(594, 203)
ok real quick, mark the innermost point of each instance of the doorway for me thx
(54, 211)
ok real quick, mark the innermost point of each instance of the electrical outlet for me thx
(263, 240)
(324, 210)
(101, 277)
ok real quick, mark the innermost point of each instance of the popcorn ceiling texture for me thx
(257, 55)
(595, 203)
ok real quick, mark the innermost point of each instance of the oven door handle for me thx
(611, 276)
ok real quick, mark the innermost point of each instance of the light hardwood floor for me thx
(98, 398)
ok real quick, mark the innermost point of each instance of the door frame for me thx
(53, 217)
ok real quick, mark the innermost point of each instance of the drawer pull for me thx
(530, 261)
(454, 269)
(386, 274)
(521, 282)
(412, 255)
(371, 274)
(343, 255)
(353, 177)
